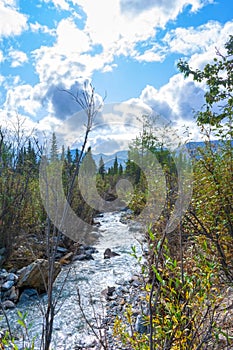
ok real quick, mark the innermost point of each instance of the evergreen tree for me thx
(54, 148)
(31, 156)
(69, 156)
(63, 153)
(102, 170)
(120, 169)
(115, 166)
(76, 157)
(89, 165)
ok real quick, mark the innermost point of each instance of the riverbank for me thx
(91, 278)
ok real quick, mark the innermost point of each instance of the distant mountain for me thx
(122, 156)
(109, 159)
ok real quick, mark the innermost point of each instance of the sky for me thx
(127, 49)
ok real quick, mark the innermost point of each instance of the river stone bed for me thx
(112, 283)
(118, 298)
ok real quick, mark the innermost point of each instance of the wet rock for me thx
(108, 292)
(110, 254)
(14, 294)
(3, 274)
(89, 342)
(11, 294)
(35, 275)
(7, 285)
(82, 257)
(8, 304)
(28, 295)
(62, 250)
(12, 277)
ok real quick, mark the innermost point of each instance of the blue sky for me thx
(126, 48)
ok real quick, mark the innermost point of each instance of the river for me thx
(91, 277)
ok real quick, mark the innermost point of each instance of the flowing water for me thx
(90, 277)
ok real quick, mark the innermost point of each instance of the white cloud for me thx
(219, 38)
(62, 4)
(39, 28)
(24, 97)
(71, 39)
(178, 101)
(66, 60)
(151, 55)
(192, 40)
(109, 68)
(162, 11)
(17, 57)
(116, 28)
(12, 22)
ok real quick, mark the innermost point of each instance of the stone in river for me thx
(109, 254)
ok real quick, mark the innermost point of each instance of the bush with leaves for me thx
(211, 210)
(183, 303)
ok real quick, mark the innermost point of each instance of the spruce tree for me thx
(102, 170)
(115, 166)
(54, 148)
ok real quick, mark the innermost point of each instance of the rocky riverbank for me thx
(29, 282)
(111, 281)
(126, 296)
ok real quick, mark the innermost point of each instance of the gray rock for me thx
(28, 295)
(14, 294)
(62, 250)
(3, 274)
(140, 325)
(12, 277)
(110, 254)
(7, 285)
(35, 275)
(8, 304)
(82, 257)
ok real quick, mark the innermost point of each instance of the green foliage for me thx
(183, 304)
(211, 211)
(26, 343)
(102, 170)
(219, 80)
(210, 214)
(54, 148)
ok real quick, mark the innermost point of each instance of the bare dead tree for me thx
(86, 100)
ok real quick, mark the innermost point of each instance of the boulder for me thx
(109, 254)
(28, 295)
(35, 275)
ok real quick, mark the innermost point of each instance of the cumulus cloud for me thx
(22, 97)
(110, 29)
(61, 4)
(177, 101)
(39, 28)
(12, 22)
(163, 10)
(62, 103)
(18, 58)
